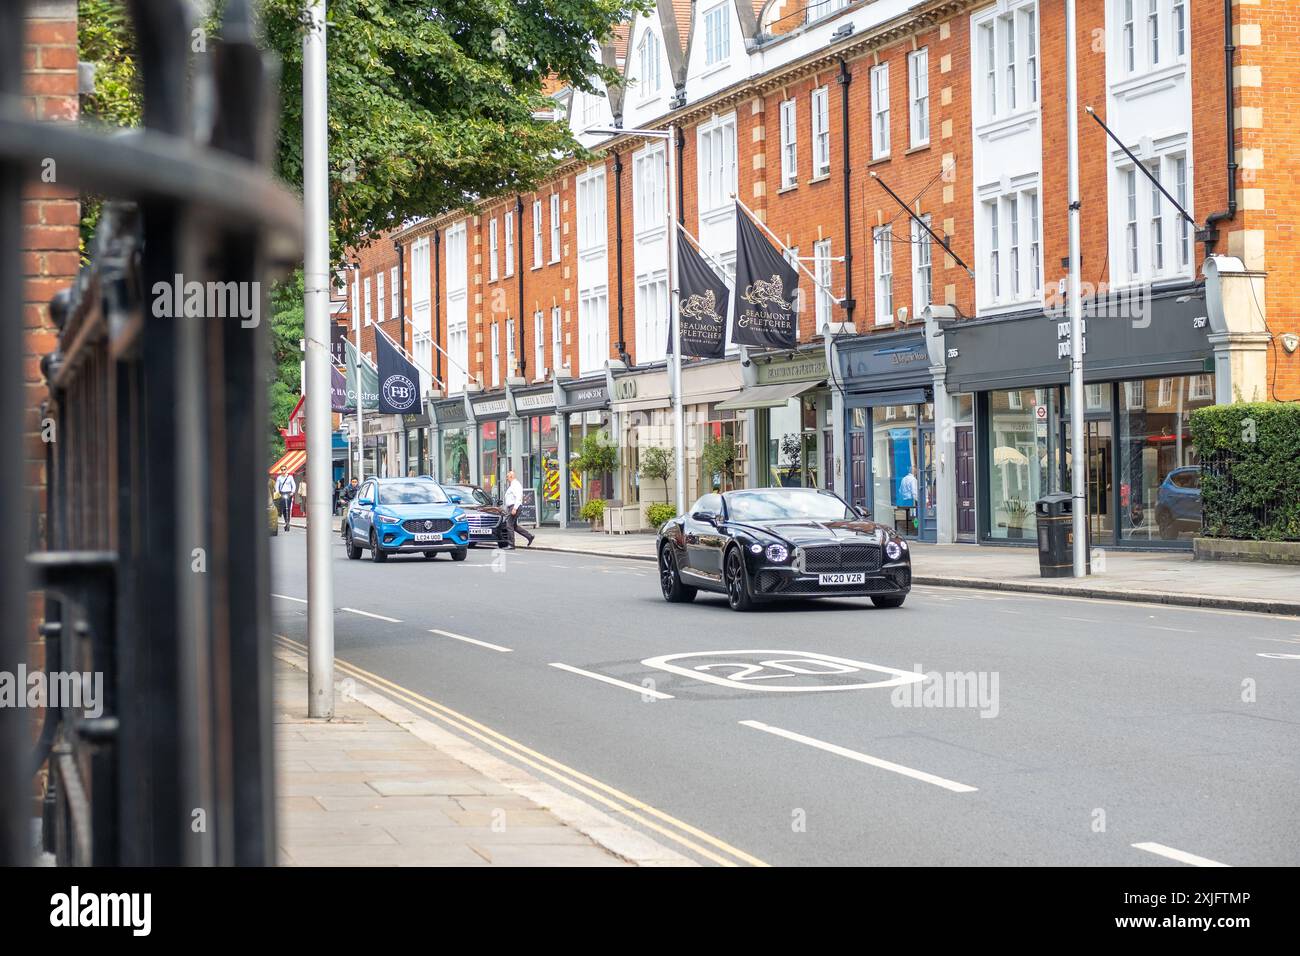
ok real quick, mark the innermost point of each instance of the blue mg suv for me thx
(404, 516)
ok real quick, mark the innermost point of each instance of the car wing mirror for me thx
(365, 501)
(455, 499)
(705, 517)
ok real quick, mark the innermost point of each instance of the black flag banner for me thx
(399, 382)
(766, 288)
(703, 307)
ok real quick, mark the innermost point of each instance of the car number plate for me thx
(483, 531)
(431, 536)
(847, 577)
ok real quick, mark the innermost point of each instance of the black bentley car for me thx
(767, 544)
(487, 520)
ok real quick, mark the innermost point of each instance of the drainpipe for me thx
(401, 292)
(618, 254)
(437, 304)
(522, 365)
(681, 200)
(1209, 234)
(849, 304)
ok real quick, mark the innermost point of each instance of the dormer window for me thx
(717, 35)
(651, 78)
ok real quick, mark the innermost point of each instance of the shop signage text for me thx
(800, 370)
(496, 406)
(542, 400)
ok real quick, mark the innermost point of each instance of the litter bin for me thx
(1055, 518)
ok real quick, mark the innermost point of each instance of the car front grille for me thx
(425, 525)
(481, 520)
(824, 558)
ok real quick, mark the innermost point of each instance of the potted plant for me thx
(657, 514)
(719, 458)
(657, 464)
(1017, 511)
(593, 512)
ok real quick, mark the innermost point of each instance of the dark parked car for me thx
(487, 519)
(404, 516)
(767, 544)
(1178, 502)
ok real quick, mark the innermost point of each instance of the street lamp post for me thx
(679, 416)
(1078, 486)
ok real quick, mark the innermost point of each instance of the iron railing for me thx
(155, 567)
(1244, 498)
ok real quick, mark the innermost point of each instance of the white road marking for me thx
(285, 597)
(645, 691)
(1085, 620)
(1002, 610)
(1281, 657)
(377, 617)
(470, 640)
(1180, 630)
(862, 758)
(788, 662)
(1182, 856)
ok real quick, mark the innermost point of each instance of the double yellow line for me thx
(695, 840)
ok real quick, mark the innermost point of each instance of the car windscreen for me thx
(470, 496)
(411, 493)
(784, 504)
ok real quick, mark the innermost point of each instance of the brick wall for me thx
(50, 246)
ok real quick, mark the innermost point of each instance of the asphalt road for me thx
(1051, 731)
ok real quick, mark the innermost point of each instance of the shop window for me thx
(1160, 495)
(900, 491)
(1017, 465)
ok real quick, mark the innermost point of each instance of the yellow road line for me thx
(544, 764)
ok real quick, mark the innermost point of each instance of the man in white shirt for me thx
(286, 485)
(907, 495)
(514, 500)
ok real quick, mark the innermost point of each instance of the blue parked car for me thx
(1178, 502)
(404, 516)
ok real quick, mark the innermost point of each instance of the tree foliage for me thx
(286, 357)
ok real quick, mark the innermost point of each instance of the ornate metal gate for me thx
(156, 574)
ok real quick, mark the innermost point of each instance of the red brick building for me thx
(806, 113)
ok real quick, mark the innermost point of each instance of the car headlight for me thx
(756, 548)
(894, 550)
(777, 553)
(386, 519)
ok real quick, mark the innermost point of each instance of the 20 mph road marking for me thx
(644, 691)
(377, 617)
(1182, 856)
(470, 640)
(861, 757)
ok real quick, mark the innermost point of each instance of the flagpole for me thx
(797, 264)
(674, 298)
(361, 432)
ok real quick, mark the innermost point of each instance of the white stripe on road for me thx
(470, 640)
(1160, 627)
(645, 691)
(862, 758)
(1182, 856)
(377, 617)
(285, 597)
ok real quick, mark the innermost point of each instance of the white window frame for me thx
(539, 344)
(880, 111)
(789, 143)
(537, 233)
(823, 269)
(1005, 71)
(918, 85)
(557, 338)
(1152, 242)
(456, 244)
(591, 211)
(380, 301)
(649, 190)
(1200, 390)
(652, 308)
(922, 267)
(593, 329)
(496, 354)
(650, 53)
(716, 150)
(394, 288)
(421, 312)
(492, 250)
(717, 34)
(821, 132)
(1009, 247)
(555, 227)
(511, 364)
(510, 242)
(356, 300)
(883, 257)
(366, 286)
(1148, 35)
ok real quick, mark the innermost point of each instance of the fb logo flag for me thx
(766, 287)
(703, 306)
(399, 393)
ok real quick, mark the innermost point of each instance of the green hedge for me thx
(1250, 470)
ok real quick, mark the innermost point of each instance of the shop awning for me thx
(291, 460)
(766, 396)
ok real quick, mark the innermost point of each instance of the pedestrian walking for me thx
(286, 486)
(302, 498)
(513, 503)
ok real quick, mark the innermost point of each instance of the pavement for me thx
(377, 785)
(1162, 577)
(969, 726)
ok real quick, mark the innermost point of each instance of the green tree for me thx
(657, 464)
(286, 356)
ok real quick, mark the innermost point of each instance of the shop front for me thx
(792, 420)
(582, 410)
(891, 456)
(539, 447)
(1145, 370)
(452, 449)
(491, 430)
(419, 458)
